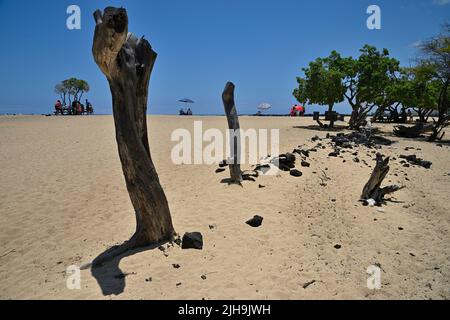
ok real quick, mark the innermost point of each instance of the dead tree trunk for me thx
(235, 136)
(372, 188)
(127, 63)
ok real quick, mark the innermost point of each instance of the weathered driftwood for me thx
(372, 188)
(235, 138)
(413, 131)
(127, 63)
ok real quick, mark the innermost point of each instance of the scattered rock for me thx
(192, 240)
(177, 241)
(176, 266)
(356, 159)
(305, 164)
(333, 154)
(417, 161)
(223, 163)
(203, 277)
(261, 186)
(337, 246)
(161, 248)
(255, 222)
(219, 170)
(149, 279)
(307, 284)
(295, 173)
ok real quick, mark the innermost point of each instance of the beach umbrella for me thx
(186, 101)
(264, 106)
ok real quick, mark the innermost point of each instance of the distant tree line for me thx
(374, 83)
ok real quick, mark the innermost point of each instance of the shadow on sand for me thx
(325, 129)
(108, 274)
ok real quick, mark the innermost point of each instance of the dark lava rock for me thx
(417, 161)
(356, 159)
(295, 173)
(315, 138)
(192, 240)
(261, 186)
(177, 241)
(305, 153)
(337, 246)
(286, 161)
(176, 265)
(312, 150)
(255, 222)
(305, 164)
(223, 163)
(219, 170)
(333, 154)
(203, 277)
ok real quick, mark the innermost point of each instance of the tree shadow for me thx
(109, 276)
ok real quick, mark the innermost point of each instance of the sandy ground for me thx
(63, 201)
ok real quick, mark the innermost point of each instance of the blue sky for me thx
(201, 44)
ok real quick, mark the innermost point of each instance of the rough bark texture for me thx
(233, 124)
(372, 188)
(127, 63)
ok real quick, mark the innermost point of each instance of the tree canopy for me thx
(321, 84)
(72, 88)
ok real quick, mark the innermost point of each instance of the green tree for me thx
(420, 91)
(321, 85)
(366, 80)
(72, 88)
(437, 60)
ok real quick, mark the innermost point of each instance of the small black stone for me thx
(223, 163)
(305, 164)
(219, 170)
(176, 265)
(333, 154)
(295, 173)
(192, 240)
(255, 222)
(337, 246)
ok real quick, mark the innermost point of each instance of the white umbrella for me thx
(264, 106)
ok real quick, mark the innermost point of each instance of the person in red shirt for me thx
(58, 107)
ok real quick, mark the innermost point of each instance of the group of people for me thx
(297, 111)
(188, 112)
(75, 108)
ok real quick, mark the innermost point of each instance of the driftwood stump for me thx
(235, 136)
(372, 188)
(413, 131)
(127, 63)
